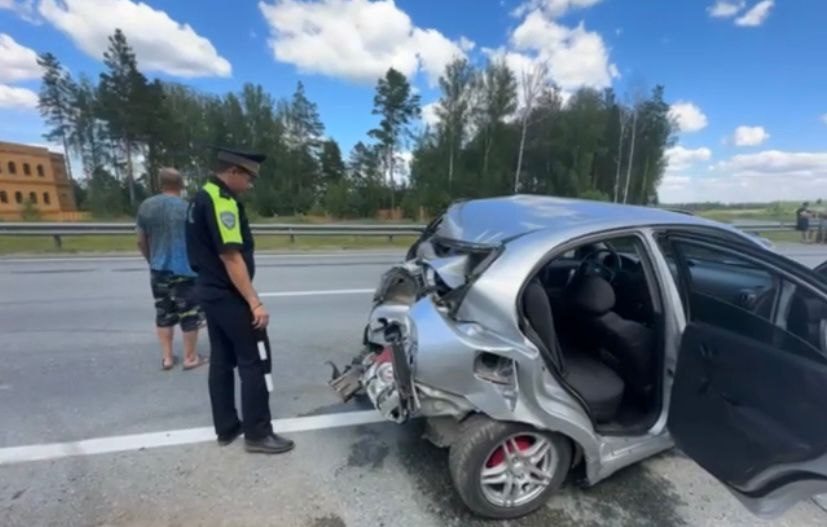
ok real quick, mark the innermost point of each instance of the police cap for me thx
(249, 161)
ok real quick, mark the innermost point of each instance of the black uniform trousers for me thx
(233, 343)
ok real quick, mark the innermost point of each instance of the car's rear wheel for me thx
(506, 470)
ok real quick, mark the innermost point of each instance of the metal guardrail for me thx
(764, 226)
(58, 230)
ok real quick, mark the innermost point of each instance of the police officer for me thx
(220, 248)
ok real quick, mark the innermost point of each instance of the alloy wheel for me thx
(518, 470)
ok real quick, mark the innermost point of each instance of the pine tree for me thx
(398, 106)
(365, 177)
(55, 103)
(123, 101)
(496, 99)
(457, 85)
(303, 131)
(87, 134)
(304, 128)
(333, 168)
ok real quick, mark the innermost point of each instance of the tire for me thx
(476, 447)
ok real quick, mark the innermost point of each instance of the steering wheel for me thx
(591, 265)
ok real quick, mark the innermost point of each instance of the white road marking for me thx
(274, 294)
(105, 445)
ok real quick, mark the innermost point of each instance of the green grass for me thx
(783, 236)
(302, 220)
(98, 244)
(730, 215)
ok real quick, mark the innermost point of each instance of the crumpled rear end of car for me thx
(439, 271)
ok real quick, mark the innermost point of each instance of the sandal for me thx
(167, 367)
(200, 362)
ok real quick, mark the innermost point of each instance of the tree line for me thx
(497, 136)
(493, 135)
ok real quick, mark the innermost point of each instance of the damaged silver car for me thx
(545, 339)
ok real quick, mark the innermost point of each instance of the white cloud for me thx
(51, 147)
(17, 62)
(757, 15)
(726, 8)
(22, 8)
(688, 116)
(429, 115)
(775, 162)
(575, 56)
(466, 44)
(750, 136)
(17, 98)
(824, 118)
(356, 39)
(522, 62)
(553, 8)
(435, 52)
(770, 175)
(160, 43)
(681, 158)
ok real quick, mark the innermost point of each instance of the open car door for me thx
(753, 413)
(821, 270)
(749, 393)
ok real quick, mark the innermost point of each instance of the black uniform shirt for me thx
(216, 222)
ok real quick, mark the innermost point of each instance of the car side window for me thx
(805, 316)
(731, 279)
(671, 260)
(737, 294)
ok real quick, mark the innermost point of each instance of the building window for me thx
(40, 172)
(4, 198)
(27, 170)
(12, 168)
(33, 197)
(18, 197)
(46, 198)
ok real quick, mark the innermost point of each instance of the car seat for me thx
(599, 386)
(625, 344)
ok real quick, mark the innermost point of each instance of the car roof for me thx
(499, 219)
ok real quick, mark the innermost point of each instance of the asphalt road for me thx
(80, 361)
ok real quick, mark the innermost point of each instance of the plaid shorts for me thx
(175, 301)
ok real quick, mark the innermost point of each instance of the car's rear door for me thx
(749, 395)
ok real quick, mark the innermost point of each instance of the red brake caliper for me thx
(498, 456)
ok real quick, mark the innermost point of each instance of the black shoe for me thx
(225, 440)
(272, 444)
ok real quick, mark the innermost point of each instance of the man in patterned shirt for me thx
(161, 227)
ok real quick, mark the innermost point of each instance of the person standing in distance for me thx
(161, 225)
(220, 247)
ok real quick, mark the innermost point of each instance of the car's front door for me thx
(749, 397)
(821, 270)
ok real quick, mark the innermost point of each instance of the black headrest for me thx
(591, 294)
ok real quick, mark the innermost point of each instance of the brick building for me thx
(36, 175)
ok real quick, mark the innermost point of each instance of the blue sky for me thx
(746, 77)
